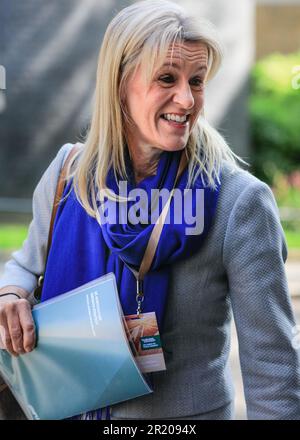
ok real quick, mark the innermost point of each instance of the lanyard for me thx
(153, 242)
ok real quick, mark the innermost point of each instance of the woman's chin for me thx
(176, 147)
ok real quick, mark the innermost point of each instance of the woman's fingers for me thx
(17, 327)
(14, 327)
(5, 333)
(27, 325)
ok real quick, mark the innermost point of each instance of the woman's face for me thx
(176, 89)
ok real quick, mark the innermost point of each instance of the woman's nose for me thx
(184, 96)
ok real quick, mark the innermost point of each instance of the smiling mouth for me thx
(176, 124)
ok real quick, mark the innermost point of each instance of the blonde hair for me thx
(140, 35)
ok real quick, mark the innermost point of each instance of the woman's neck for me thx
(144, 161)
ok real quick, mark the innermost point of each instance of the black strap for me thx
(5, 294)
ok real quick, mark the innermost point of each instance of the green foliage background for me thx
(275, 115)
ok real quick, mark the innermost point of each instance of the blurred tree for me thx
(275, 113)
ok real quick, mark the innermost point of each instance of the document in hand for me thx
(83, 360)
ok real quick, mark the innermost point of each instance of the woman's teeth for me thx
(176, 118)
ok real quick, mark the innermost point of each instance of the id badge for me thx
(144, 335)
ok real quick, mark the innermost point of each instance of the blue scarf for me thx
(82, 250)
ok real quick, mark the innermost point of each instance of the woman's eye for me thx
(197, 82)
(169, 79)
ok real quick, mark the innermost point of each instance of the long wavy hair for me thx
(140, 35)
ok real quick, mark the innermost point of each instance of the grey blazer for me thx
(238, 271)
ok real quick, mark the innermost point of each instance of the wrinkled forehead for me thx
(192, 54)
(186, 53)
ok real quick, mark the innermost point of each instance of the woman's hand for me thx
(17, 329)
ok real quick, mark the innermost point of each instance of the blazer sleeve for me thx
(254, 255)
(28, 262)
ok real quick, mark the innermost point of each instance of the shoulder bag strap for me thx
(59, 192)
(57, 198)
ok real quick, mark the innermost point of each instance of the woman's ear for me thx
(122, 94)
(123, 103)
(122, 97)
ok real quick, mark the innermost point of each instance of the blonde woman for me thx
(148, 130)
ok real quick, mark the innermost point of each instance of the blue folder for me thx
(83, 360)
